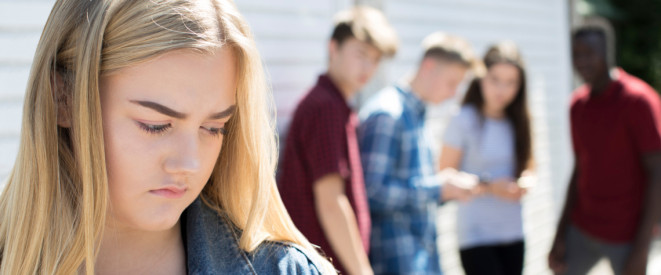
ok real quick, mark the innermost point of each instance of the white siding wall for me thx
(292, 37)
(20, 26)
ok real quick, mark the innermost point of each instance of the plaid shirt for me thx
(402, 186)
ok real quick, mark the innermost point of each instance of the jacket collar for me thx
(212, 242)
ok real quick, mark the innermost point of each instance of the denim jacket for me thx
(212, 247)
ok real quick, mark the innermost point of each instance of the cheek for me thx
(209, 156)
(511, 94)
(129, 157)
(488, 88)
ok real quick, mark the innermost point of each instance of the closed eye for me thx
(216, 131)
(154, 129)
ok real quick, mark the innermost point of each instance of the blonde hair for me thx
(53, 208)
(449, 48)
(368, 25)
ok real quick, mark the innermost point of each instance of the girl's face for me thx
(500, 86)
(163, 127)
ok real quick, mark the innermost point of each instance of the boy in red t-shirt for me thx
(613, 196)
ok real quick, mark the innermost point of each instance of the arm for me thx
(339, 224)
(645, 126)
(502, 188)
(637, 262)
(381, 155)
(450, 157)
(557, 254)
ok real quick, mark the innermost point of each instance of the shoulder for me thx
(319, 97)
(580, 95)
(639, 92)
(465, 117)
(212, 242)
(319, 107)
(386, 103)
(467, 113)
(282, 258)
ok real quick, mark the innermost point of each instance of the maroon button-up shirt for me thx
(321, 141)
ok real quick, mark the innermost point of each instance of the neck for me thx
(601, 84)
(345, 90)
(493, 112)
(126, 251)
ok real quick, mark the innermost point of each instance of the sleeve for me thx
(645, 121)
(381, 148)
(454, 135)
(279, 258)
(324, 143)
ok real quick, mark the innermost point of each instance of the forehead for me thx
(179, 78)
(355, 44)
(503, 68)
(590, 41)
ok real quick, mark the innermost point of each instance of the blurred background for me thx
(292, 36)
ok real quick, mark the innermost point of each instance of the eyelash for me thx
(160, 129)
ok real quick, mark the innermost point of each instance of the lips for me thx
(170, 192)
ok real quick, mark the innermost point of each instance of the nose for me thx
(184, 156)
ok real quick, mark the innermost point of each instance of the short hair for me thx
(450, 48)
(368, 25)
(602, 28)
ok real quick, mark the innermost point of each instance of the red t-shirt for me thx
(321, 141)
(611, 133)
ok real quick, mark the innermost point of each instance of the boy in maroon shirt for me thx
(320, 177)
(613, 198)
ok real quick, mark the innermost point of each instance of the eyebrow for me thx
(172, 113)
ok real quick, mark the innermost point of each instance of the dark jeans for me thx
(502, 259)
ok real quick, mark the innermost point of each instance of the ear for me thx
(428, 64)
(63, 101)
(333, 47)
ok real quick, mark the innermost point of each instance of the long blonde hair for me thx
(53, 208)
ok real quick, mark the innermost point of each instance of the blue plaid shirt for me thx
(402, 185)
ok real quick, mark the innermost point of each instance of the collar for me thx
(327, 84)
(411, 101)
(615, 86)
(212, 242)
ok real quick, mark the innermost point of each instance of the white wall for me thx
(20, 27)
(292, 37)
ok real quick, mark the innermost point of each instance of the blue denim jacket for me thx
(212, 247)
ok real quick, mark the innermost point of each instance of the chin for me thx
(162, 224)
(160, 219)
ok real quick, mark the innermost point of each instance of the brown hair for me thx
(368, 25)
(517, 110)
(450, 48)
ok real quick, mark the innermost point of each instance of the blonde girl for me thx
(147, 148)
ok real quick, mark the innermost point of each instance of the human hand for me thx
(557, 256)
(460, 186)
(506, 189)
(636, 264)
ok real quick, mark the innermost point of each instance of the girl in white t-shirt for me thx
(490, 138)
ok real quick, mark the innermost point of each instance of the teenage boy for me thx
(321, 178)
(403, 188)
(613, 196)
